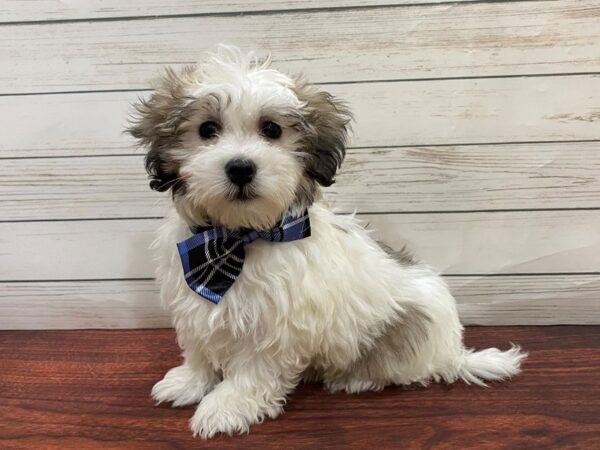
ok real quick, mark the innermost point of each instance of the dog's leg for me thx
(402, 355)
(422, 345)
(186, 384)
(252, 388)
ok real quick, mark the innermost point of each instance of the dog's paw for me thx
(182, 386)
(229, 413)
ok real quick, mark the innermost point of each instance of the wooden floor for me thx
(90, 389)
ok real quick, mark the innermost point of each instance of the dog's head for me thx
(239, 143)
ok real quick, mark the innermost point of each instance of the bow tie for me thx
(213, 257)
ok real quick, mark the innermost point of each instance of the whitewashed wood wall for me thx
(477, 142)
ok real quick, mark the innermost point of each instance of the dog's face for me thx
(239, 143)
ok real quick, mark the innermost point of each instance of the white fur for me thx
(319, 304)
(316, 302)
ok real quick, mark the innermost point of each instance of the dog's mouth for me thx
(243, 194)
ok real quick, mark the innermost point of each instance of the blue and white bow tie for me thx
(213, 257)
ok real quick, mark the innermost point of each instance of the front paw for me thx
(229, 413)
(183, 386)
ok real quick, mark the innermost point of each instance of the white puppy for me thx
(242, 146)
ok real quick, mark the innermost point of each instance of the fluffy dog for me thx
(241, 146)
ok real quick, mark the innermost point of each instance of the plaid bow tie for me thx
(213, 257)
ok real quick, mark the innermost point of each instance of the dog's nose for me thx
(240, 171)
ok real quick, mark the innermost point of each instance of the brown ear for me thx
(156, 124)
(327, 120)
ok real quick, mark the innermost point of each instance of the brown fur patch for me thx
(403, 256)
(379, 364)
(326, 125)
(157, 125)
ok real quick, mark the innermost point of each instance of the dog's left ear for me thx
(327, 123)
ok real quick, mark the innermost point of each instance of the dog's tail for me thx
(490, 364)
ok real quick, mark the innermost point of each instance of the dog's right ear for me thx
(156, 124)
(327, 121)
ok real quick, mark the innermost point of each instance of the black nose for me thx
(240, 171)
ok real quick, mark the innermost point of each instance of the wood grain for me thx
(51, 10)
(491, 300)
(527, 299)
(456, 243)
(90, 389)
(413, 179)
(82, 304)
(387, 114)
(428, 41)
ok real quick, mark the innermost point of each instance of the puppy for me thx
(265, 284)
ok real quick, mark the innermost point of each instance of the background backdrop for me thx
(477, 142)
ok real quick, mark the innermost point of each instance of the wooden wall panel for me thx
(527, 299)
(456, 243)
(428, 41)
(81, 304)
(387, 114)
(396, 179)
(476, 143)
(52, 10)
(495, 300)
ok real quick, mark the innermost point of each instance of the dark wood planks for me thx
(89, 389)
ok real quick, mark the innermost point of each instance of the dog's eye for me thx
(208, 129)
(270, 130)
